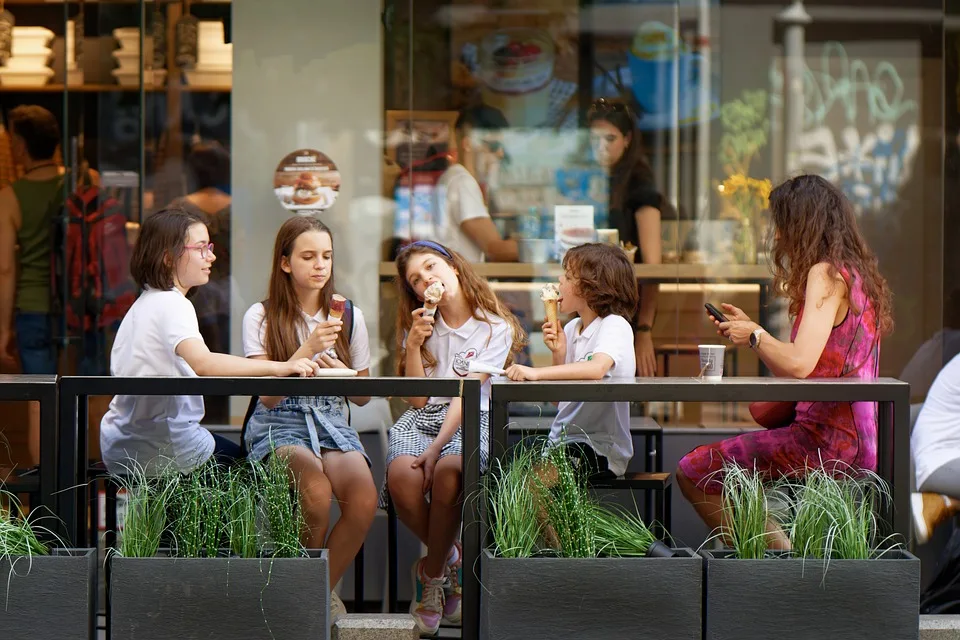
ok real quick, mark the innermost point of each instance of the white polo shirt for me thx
(605, 426)
(458, 198)
(154, 429)
(254, 334)
(935, 440)
(474, 340)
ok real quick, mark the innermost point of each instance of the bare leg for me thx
(315, 492)
(710, 509)
(405, 485)
(446, 509)
(353, 486)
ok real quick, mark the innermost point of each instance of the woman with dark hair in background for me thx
(635, 205)
(208, 173)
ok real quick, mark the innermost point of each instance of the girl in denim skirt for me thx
(312, 433)
(448, 317)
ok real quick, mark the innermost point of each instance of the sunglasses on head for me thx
(604, 106)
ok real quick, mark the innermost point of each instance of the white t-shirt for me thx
(474, 340)
(458, 199)
(154, 429)
(254, 334)
(935, 440)
(605, 426)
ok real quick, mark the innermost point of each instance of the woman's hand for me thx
(421, 330)
(327, 361)
(325, 335)
(519, 373)
(738, 331)
(303, 367)
(646, 357)
(428, 462)
(554, 337)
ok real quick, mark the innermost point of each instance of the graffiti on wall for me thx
(860, 125)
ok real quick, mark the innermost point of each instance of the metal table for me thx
(74, 392)
(893, 437)
(42, 389)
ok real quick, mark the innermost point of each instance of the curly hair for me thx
(604, 279)
(814, 222)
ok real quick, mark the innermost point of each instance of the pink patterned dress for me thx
(822, 432)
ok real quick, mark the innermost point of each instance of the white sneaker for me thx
(337, 608)
(427, 604)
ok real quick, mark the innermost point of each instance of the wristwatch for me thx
(755, 337)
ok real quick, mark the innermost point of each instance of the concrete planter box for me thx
(161, 598)
(793, 598)
(609, 598)
(50, 597)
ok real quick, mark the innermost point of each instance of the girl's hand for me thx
(428, 462)
(303, 367)
(738, 331)
(421, 330)
(554, 337)
(325, 335)
(519, 373)
(327, 361)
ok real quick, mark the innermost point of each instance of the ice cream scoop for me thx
(432, 297)
(550, 294)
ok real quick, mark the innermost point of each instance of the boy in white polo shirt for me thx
(599, 286)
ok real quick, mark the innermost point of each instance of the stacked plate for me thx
(128, 59)
(214, 58)
(27, 66)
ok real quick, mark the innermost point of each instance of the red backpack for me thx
(90, 271)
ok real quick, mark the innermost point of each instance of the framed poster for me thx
(414, 136)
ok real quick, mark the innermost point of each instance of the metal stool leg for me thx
(358, 590)
(392, 558)
(94, 506)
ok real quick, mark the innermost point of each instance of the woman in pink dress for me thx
(842, 306)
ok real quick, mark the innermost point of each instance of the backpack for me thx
(348, 325)
(90, 264)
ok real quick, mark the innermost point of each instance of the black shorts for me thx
(586, 460)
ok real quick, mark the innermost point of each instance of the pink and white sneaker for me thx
(453, 592)
(427, 607)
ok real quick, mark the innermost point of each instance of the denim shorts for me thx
(317, 423)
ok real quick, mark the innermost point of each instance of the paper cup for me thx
(711, 361)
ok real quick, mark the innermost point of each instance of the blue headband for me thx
(429, 244)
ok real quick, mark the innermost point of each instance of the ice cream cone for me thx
(429, 309)
(337, 306)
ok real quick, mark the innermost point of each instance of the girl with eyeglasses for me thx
(160, 336)
(635, 205)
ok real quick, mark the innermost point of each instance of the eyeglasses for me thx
(205, 249)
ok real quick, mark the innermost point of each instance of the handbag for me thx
(772, 415)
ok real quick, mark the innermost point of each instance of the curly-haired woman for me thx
(842, 306)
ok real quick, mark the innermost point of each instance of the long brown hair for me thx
(632, 168)
(282, 308)
(814, 222)
(480, 297)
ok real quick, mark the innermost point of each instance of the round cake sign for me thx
(307, 181)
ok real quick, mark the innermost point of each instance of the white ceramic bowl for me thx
(21, 60)
(221, 79)
(25, 78)
(215, 58)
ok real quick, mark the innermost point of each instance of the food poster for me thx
(306, 181)
(526, 63)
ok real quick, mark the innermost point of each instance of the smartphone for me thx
(716, 313)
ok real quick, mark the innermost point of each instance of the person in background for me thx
(635, 206)
(208, 175)
(463, 221)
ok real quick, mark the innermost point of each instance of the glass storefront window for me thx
(480, 124)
